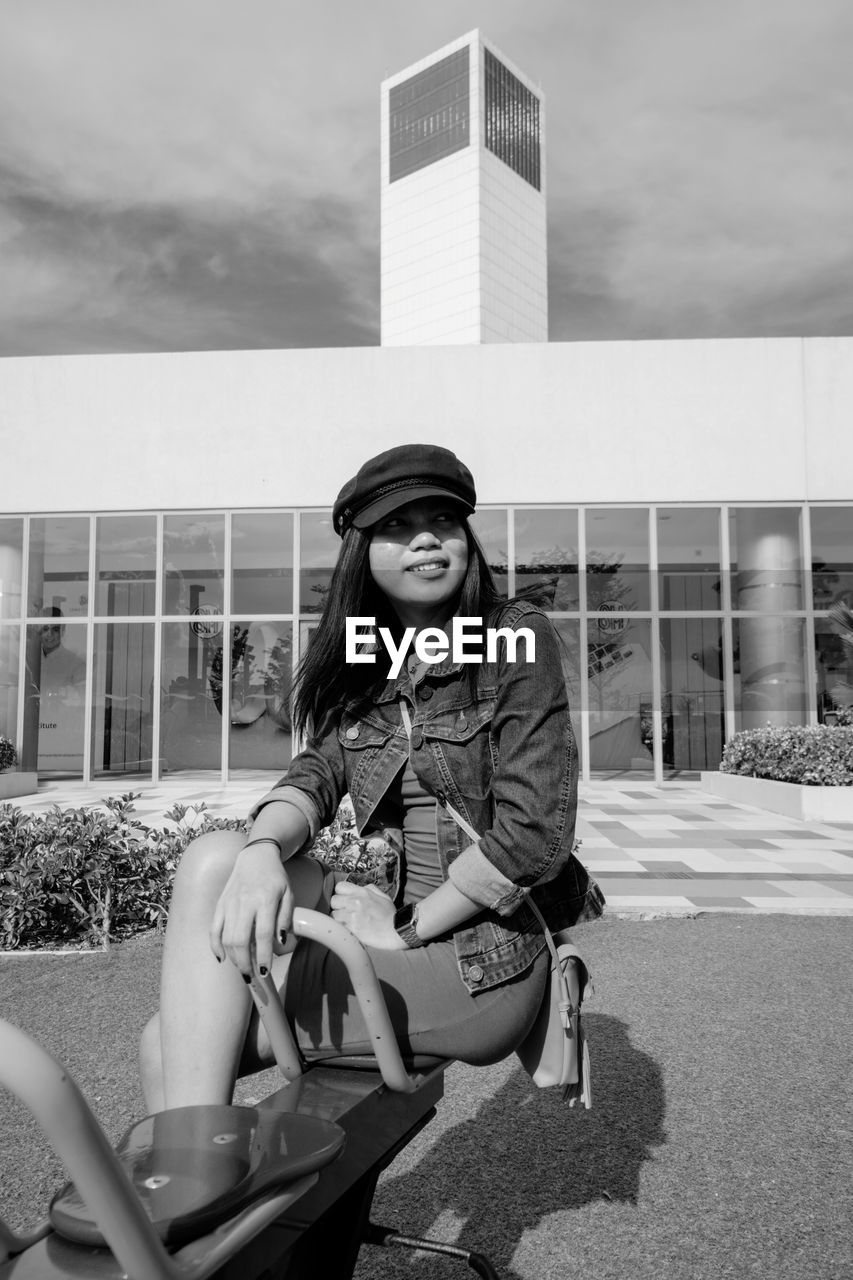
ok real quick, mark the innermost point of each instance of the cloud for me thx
(193, 173)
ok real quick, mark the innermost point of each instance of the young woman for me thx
(460, 956)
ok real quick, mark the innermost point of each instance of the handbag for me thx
(555, 1051)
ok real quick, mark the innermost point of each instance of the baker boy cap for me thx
(400, 475)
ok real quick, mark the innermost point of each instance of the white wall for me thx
(740, 420)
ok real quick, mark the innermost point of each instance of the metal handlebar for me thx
(335, 936)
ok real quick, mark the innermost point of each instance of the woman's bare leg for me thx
(191, 1051)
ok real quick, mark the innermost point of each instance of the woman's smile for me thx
(418, 559)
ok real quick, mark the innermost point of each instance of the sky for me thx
(204, 174)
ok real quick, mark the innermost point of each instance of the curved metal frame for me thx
(43, 1085)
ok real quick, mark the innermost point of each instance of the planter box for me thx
(17, 784)
(808, 804)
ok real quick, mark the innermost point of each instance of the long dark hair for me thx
(323, 678)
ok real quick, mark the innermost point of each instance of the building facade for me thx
(463, 217)
(684, 511)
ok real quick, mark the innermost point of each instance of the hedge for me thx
(72, 877)
(816, 756)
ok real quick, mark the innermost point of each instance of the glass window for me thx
(619, 667)
(11, 561)
(55, 697)
(262, 563)
(512, 120)
(429, 115)
(10, 644)
(832, 554)
(319, 546)
(190, 722)
(490, 528)
(126, 559)
(122, 705)
(833, 670)
(193, 555)
(546, 556)
(770, 667)
(570, 656)
(59, 566)
(693, 704)
(689, 559)
(617, 559)
(261, 685)
(766, 559)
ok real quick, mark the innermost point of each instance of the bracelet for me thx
(263, 840)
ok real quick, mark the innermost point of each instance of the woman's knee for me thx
(210, 858)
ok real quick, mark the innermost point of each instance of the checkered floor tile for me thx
(653, 849)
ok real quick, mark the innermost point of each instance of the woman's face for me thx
(418, 558)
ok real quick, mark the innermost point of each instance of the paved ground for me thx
(671, 848)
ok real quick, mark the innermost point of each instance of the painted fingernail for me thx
(282, 935)
(263, 971)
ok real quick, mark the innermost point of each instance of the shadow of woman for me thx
(523, 1156)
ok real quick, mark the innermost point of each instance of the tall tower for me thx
(463, 227)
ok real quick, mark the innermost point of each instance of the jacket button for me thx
(352, 732)
(425, 693)
(475, 973)
(417, 739)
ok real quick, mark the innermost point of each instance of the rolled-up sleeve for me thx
(534, 786)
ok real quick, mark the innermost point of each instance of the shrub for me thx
(83, 876)
(819, 756)
(8, 754)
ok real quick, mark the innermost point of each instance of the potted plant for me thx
(12, 781)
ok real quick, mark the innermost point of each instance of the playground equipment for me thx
(281, 1191)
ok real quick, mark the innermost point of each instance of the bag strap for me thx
(564, 1000)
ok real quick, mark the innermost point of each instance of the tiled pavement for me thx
(654, 850)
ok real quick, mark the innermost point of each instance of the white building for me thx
(463, 216)
(684, 508)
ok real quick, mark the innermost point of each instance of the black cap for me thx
(400, 475)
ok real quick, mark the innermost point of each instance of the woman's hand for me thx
(368, 913)
(254, 909)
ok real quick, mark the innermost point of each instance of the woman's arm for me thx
(369, 914)
(256, 906)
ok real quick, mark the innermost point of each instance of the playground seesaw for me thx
(280, 1191)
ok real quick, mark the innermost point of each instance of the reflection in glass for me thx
(59, 566)
(11, 562)
(122, 706)
(126, 563)
(190, 724)
(832, 555)
(9, 651)
(770, 685)
(318, 552)
(546, 556)
(261, 681)
(428, 115)
(262, 563)
(766, 560)
(570, 657)
(55, 697)
(619, 666)
(193, 555)
(833, 670)
(689, 558)
(490, 529)
(617, 559)
(693, 704)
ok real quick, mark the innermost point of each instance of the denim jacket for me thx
(504, 757)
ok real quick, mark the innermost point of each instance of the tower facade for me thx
(463, 217)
